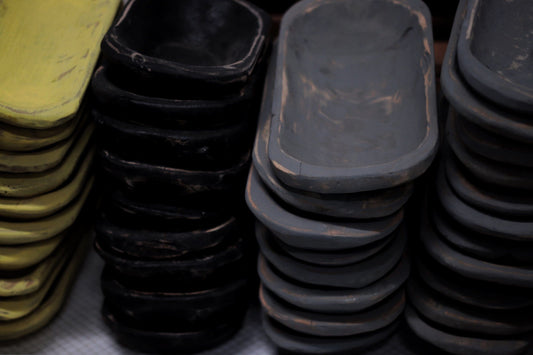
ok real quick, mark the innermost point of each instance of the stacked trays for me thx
(45, 153)
(177, 98)
(348, 121)
(473, 292)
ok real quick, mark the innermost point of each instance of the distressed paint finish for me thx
(359, 71)
(469, 104)
(20, 257)
(495, 51)
(44, 313)
(50, 48)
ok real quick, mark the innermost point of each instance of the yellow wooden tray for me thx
(49, 203)
(20, 257)
(49, 50)
(34, 184)
(32, 231)
(40, 160)
(16, 139)
(44, 312)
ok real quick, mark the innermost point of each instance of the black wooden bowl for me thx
(174, 181)
(171, 342)
(194, 268)
(472, 106)
(472, 292)
(457, 316)
(299, 343)
(328, 300)
(493, 52)
(172, 112)
(333, 325)
(491, 199)
(372, 204)
(463, 344)
(183, 213)
(198, 306)
(353, 276)
(308, 232)
(159, 243)
(344, 70)
(186, 149)
(201, 45)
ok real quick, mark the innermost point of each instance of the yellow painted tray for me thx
(49, 203)
(32, 231)
(16, 139)
(49, 50)
(40, 160)
(34, 184)
(44, 312)
(19, 257)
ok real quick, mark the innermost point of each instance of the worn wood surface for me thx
(43, 82)
(308, 232)
(494, 51)
(469, 104)
(203, 45)
(331, 301)
(372, 204)
(359, 71)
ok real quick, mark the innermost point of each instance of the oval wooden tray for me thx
(485, 223)
(353, 276)
(362, 72)
(488, 170)
(480, 245)
(44, 81)
(493, 146)
(486, 198)
(22, 232)
(299, 343)
(493, 52)
(471, 267)
(198, 306)
(333, 325)
(335, 258)
(463, 344)
(172, 112)
(479, 294)
(53, 301)
(187, 149)
(145, 176)
(372, 204)
(469, 104)
(331, 301)
(17, 139)
(168, 342)
(35, 184)
(304, 232)
(459, 317)
(162, 45)
(160, 243)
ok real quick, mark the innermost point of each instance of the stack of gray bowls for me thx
(332, 258)
(474, 286)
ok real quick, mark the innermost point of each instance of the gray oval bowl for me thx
(361, 71)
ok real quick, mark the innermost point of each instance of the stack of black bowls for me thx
(177, 101)
(473, 293)
(333, 263)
